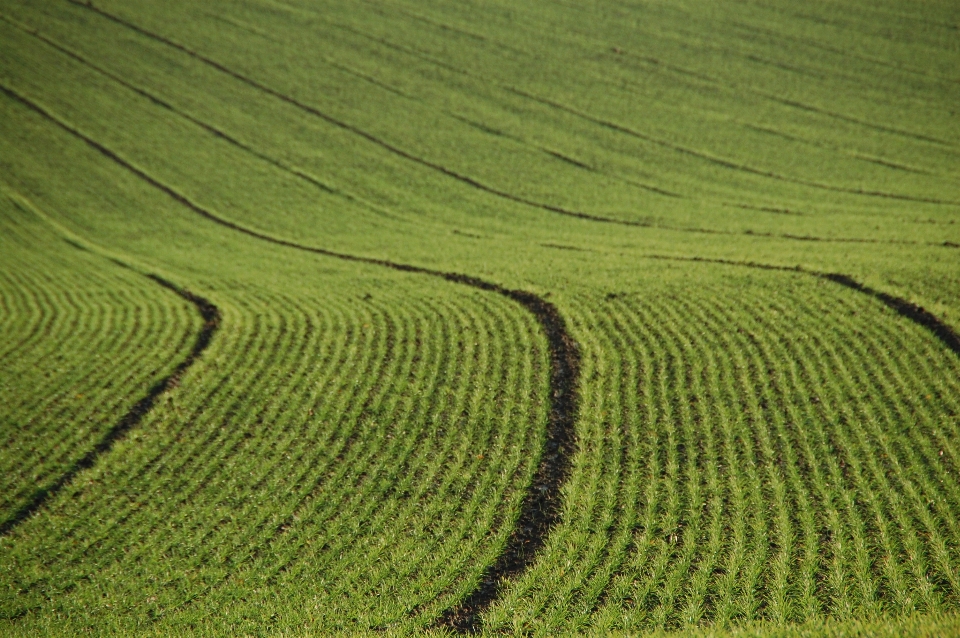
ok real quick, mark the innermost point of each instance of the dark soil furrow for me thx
(909, 310)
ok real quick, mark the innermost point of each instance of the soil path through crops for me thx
(906, 309)
(540, 510)
(211, 321)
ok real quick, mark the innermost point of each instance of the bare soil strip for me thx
(907, 309)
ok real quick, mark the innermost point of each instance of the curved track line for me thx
(719, 161)
(471, 181)
(907, 309)
(211, 321)
(654, 61)
(665, 143)
(540, 510)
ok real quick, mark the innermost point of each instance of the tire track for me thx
(907, 309)
(211, 322)
(647, 59)
(540, 511)
(719, 161)
(667, 144)
(465, 179)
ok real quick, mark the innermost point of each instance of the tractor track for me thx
(211, 322)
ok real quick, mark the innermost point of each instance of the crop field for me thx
(398, 317)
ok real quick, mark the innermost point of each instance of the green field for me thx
(513, 317)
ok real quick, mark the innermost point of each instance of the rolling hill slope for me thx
(505, 317)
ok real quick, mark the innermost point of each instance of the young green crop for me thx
(756, 445)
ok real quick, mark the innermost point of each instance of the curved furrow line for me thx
(173, 463)
(211, 317)
(719, 161)
(906, 472)
(411, 470)
(208, 478)
(653, 62)
(756, 368)
(59, 445)
(57, 389)
(540, 510)
(508, 443)
(811, 382)
(714, 421)
(217, 132)
(354, 483)
(39, 304)
(13, 306)
(924, 434)
(199, 474)
(624, 311)
(623, 422)
(907, 309)
(815, 44)
(656, 62)
(681, 527)
(865, 574)
(911, 470)
(600, 469)
(679, 148)
(102, 337)
(893, 375)
(420, 494)
(896, 510)
(795, 104)
(330, 119)
(465, 179)
(123, 502)
(760, 384)
(668, 373)
(834, 441)
(601, 465)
